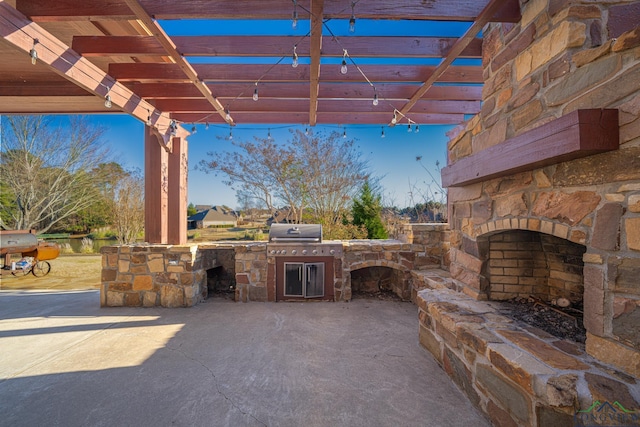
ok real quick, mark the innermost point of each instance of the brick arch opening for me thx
(379, 279)
(523, 263)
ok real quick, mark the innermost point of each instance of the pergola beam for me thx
(250, 73)
(274, 46)
(157, 31)
(483, 18)
(453, 10)
(300, 90)
(315, 48)
(20, 32)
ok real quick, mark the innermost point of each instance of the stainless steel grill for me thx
(295, 233)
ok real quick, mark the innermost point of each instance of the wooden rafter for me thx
(250, 73)
(275, 46)
(450, 10)
(157, 31)
(483, 18)
(329, 90)
(19, 32)
(317, 16)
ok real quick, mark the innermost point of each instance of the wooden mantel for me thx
(579, 134)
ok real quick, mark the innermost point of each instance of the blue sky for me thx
(392, 157)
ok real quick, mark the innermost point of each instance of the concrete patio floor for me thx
(65, 361)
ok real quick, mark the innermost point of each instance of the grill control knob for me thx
(273, 251)
(304, 252)
(332, 252)
(284, 252)
(293, 252)
(314, 252)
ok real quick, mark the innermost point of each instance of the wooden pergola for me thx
(69, 56)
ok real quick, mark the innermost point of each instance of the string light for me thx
(417, 128)
(344, 133)
(227, 115)
(395, 117)
(294, 64)
(352, 20)
(173, 128)
(255, 92)
(382, 135)
(194, 130)
(33, 53)
(375, 99)
(343, 68)
(409, 127)
(149, 118)
(230, 134)
(206, 126)
(306, 131)
(107, 98)
(294, 21)
(269, 137)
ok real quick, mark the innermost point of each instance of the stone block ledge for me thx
(509, 370)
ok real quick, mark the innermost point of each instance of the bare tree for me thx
(46, 171)
(320, 172)
(127, 207)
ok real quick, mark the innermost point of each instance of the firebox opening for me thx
(541, 278)
(220, 283)
(380, 282)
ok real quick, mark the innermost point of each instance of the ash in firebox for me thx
(565, 323)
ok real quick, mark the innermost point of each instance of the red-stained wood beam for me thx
(19, 32)
(451, 10)
(323, 118)
(276, 46)
(579, 134)
(43, 89)
(229, 91)
(250, 73)
(157, 31)
(315, 47)
(483, 18)
(289, 105)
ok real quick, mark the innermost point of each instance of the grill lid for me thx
(295, 233)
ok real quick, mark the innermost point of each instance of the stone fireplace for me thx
(544, 201)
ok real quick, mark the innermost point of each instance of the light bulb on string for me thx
(306, 131)
(173, 128)
(352, 20)
(395, 118)
(148, 122)
(344, 133)
(230, 134)
(375, 99)
(206, 126)
(255, 93)
(227, 115)
(343, 67)
(409, 127)
(382, 135)
(269, 137)
(294, 57)
(294, 18)
(33, 53)
(194, 130)
(417, 128)
(107, 98)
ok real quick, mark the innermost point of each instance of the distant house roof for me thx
(214, 214)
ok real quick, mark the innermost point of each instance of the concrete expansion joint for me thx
(215, 380)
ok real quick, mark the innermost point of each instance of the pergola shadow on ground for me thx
(67, 362)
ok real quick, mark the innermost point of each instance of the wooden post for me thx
(155, 190)
(178, 174)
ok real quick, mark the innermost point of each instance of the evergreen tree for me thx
(366, 212)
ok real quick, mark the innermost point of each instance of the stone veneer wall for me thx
(562, 56)
(176, 276)
(152, 275)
